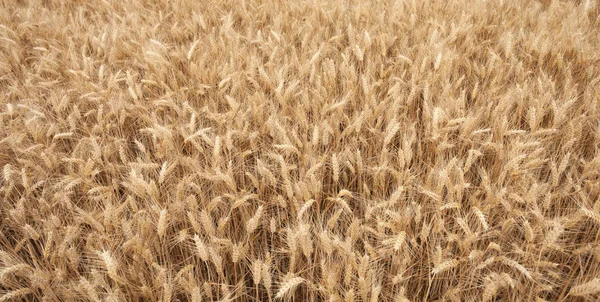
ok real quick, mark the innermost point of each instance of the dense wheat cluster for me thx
(300, 150)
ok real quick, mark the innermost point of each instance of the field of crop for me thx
(408, 150)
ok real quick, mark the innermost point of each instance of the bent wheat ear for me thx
(253, 222)
(397, 241)
(15, 294)
(588, 288)
(288, 286)
(445, 266)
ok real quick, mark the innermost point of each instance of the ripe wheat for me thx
(299, 150)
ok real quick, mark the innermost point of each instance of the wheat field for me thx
(408, 150)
